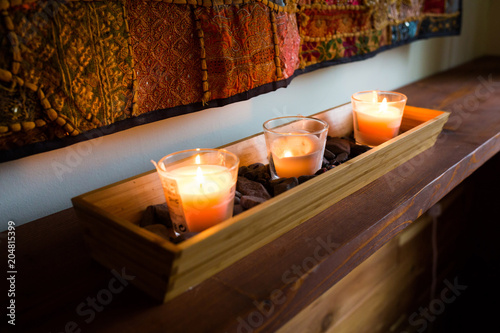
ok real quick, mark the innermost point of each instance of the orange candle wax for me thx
(376, 123)
(206, 193)
(297, 155)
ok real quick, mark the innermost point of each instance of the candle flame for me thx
(383, 106)
(199, 176)
(197, 159)
(287, 153)
(374, 96)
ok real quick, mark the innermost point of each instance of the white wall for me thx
(43, 184)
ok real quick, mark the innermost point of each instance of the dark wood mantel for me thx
(57, 279)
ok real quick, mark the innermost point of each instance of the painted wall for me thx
(43, 184)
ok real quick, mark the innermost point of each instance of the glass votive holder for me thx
(199, 187)
(377, 116)
(295, 145)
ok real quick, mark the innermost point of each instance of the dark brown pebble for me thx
(281, 185)
(329, 155)
(237, 194)
(325, 163)
(257, 171)
(351, 140)
(148, 217)
(251, 188)
(236, 200)
(342, 157)
(302, 179)
(337, 146)
(160, 230)
(156, 214)
(242, 170)
(237, 209)
(358, 150)
(255, 166)
(248, 201)
(263, 181)
(320, 171)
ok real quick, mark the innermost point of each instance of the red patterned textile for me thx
(74, 70)
(289, 43)
(239, 47)
(166, 55)
(435, 6)
(321, 23)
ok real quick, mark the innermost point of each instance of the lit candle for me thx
(297, 155)
(376, 122)
(295, 145)
(199, 186)
(207, 194)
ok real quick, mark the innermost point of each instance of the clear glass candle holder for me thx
(377, 116)
(199, 187)
(295, 145)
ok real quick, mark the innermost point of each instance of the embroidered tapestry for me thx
(75, 70)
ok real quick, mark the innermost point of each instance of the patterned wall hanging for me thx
(75, 70)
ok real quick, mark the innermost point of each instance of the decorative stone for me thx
(303, 179)
(358, 150)
(250, 188)
(256, 172)
(320, 171)
(248, 201)
(329, 155)
(283, 184)
(160, 230)
(338, 145)
(156, 214)
(351, 140)
(237, 209)
(242, 170)
(342, 157)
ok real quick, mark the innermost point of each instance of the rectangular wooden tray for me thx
(110, 215)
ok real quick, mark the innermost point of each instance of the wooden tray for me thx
(110, 215)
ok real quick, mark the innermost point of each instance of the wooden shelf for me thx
(164, 270)
(56, 274)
